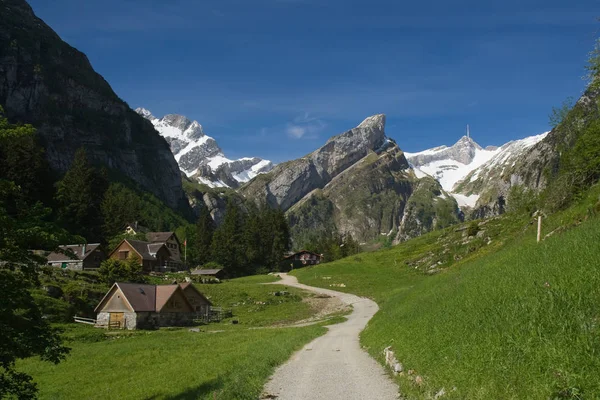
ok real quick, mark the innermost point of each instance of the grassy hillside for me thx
(508, 318)
(222, 361)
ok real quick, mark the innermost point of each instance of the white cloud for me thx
(304, 126)
(295, 131)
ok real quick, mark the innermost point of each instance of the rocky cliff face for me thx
(289, 182)
(537, 164)
(358, 183)
(46, 82)
(200, 157)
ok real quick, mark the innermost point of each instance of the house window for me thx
(123, 254)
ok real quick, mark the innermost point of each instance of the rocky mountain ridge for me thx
(358, 183)
(200, 157)
(51, 85)
(466, 170)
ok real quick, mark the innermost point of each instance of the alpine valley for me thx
(358, 183)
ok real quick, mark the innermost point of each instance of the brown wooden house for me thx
(152, 256)
(140, 306)
(300, 259)
(77, 257)
(170, 240)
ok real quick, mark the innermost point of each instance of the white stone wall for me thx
(102, 319)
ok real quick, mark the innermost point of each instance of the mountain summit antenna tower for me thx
(468, 133)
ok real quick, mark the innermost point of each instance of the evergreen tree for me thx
(79, 195)
(226, 245)
(280, 243)
(205, 228)
(119, 206)
(22, 161)
(253, 241)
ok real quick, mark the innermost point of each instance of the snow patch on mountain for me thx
(199, 156)
(449, 165)
(466, 161)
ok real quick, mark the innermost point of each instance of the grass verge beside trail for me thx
(223, 361)
(521, 321)
(254, 304)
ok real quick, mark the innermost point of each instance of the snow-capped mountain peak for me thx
(466, 161)
(199, 156)
(450, 164)
(145, 113)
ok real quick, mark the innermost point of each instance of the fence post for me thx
(539, 231)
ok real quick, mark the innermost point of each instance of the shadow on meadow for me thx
(198, 392)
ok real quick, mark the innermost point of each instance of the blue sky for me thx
(276, 78)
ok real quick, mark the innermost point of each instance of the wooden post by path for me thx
(539, 232)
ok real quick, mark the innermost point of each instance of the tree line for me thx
(251, 239)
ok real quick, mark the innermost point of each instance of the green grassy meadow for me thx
(222, 361)
(504, 319)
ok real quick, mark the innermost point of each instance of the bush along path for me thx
(333, 366)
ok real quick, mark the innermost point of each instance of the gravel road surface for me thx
(333, 366)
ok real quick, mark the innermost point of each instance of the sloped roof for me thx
(155, 237)
(141, 297)
(154, 247)
(141, 248)
(188, 286)
(77, 249)
(206, 271)
(144, 297)
(163, 294)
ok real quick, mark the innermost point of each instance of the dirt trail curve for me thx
(333, 366)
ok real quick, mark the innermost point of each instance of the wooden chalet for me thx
(77, 257)
(152, 256)
(141, 306)
(170, 240)
(300, 259)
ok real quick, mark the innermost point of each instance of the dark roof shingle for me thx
(155, 237)
(141, 297)
(206, 271)
(142, 248)
(77, 249)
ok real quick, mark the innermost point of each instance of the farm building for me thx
(209, 273)
(152, 256)
(140, 306)
(300, 259)
(77, 256)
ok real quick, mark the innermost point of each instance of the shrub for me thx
(212, 265)
(129, 270)
(54, 310)
(473, 229)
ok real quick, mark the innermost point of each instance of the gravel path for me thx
(333, 366)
